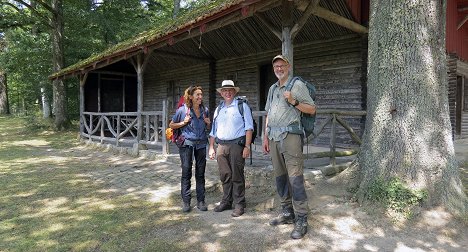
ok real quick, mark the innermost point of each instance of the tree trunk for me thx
(4, 106)
(59, 90)
(45, 104)
(407, 133)
(176, 8)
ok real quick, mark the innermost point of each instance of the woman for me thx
(192, 119)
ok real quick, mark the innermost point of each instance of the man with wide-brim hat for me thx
(233, 134)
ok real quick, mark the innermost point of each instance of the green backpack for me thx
(307, 120)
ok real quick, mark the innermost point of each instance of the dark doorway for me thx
(267, 78)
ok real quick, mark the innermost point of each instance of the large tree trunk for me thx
(59, 90)
(408, 132)
(4, 106)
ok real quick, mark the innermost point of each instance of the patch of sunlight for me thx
(435, 218)
(162, 193)
(7, 226)
(195, 236)
(213, 246)
(79, 217)
(103, 205)
(369, 247)
(134, 224)
(47, 133)
(50, 206)
(95, 203)
(46, 231)
(51, 159)
(107, 191)
(26, 194)
(348, 226)
(86, 245)
(344, 245)
(76, 181)
(378, 232)
(33, 143)
(403, 248)
(46, 244)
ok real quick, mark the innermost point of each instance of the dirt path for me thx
(335, 222)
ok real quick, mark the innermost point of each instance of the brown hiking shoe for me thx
(223, 206)
(238, 211)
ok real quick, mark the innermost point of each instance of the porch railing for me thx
(121, 128)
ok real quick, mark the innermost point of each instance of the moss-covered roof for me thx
(145, 38)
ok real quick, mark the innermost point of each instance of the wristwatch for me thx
(247, 147)
(296, 103)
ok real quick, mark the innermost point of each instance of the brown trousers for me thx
(231, 172)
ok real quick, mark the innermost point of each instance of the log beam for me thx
(462, 22)
(269, 25)
(339, 20)
(181, 56)
(303, 20)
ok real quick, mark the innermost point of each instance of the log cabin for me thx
(128, 92)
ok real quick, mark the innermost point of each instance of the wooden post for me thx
(90, 127)
(83, 78)
(287, 24)
(333, 141)
(99, 93)
(101, 120)
(117, 142)
(165, 143)
(139, 68)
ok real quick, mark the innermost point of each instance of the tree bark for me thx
(176, 8)
(59, 90)
(4, 106)
(407, 133)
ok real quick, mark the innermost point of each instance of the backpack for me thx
(307, 120)
(240, 101)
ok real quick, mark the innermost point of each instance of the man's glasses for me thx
(280, 66)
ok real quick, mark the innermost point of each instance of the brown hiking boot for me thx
(223, 206)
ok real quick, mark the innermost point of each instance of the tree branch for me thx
(45, 19)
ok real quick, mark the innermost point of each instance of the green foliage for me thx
(35, 122)
(392, 194)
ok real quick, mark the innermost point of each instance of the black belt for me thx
(204, 141)
(239, 140)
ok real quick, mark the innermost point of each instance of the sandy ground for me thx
(336, 223)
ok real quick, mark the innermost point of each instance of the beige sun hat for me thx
(282, 57)
(228, 84)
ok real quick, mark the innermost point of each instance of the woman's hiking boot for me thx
(285, 217)
(300, 227)
(186, 208)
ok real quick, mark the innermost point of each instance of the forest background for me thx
(89, 27)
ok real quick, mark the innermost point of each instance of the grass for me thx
(47, 203)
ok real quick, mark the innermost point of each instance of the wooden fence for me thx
(149, 127)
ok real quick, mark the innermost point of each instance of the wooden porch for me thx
(146, 130)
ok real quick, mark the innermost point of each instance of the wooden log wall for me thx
(156, 85)
(452, 88)
(335, 66)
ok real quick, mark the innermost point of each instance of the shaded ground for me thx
(336, 223)
(56, 197)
